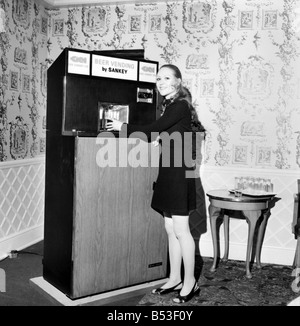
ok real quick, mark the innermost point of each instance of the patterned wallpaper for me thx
(240, 59)
(23, 48)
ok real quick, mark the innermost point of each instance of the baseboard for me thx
(21, 240)
(269, 255)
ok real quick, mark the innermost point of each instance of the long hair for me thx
(183, 93)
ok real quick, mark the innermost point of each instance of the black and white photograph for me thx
(150, 156)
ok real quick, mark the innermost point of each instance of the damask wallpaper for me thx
(23, 48)
(239, 58)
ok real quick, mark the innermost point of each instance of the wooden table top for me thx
(225, 195)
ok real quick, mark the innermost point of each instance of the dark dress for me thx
(174, 193)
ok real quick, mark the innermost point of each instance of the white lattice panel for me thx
(22, 207)
(279, 243)
(21, 196)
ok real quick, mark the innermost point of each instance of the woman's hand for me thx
(113, 124)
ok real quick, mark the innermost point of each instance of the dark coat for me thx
(174, 190)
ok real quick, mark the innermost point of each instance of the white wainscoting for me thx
(279, 243)
(22, 185)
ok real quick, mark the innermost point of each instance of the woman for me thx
(174, 193)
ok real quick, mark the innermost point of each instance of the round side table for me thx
(252, 208)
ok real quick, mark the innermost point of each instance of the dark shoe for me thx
(168, 290)
(188, 297)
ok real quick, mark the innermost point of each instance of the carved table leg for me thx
(260, 237)
(252, 218)
(226, 234)
(297, 254)
(214, 213)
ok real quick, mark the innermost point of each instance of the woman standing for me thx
(174, 194)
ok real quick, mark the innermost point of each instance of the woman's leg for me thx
(187, 245)
(174, 255)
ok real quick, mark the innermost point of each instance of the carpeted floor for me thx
(228, 286)
(270, 286)
(18, 272)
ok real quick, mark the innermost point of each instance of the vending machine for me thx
(100, 233)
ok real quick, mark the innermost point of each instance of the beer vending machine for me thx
(100, 233)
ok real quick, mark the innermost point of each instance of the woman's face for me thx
(166, 82)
